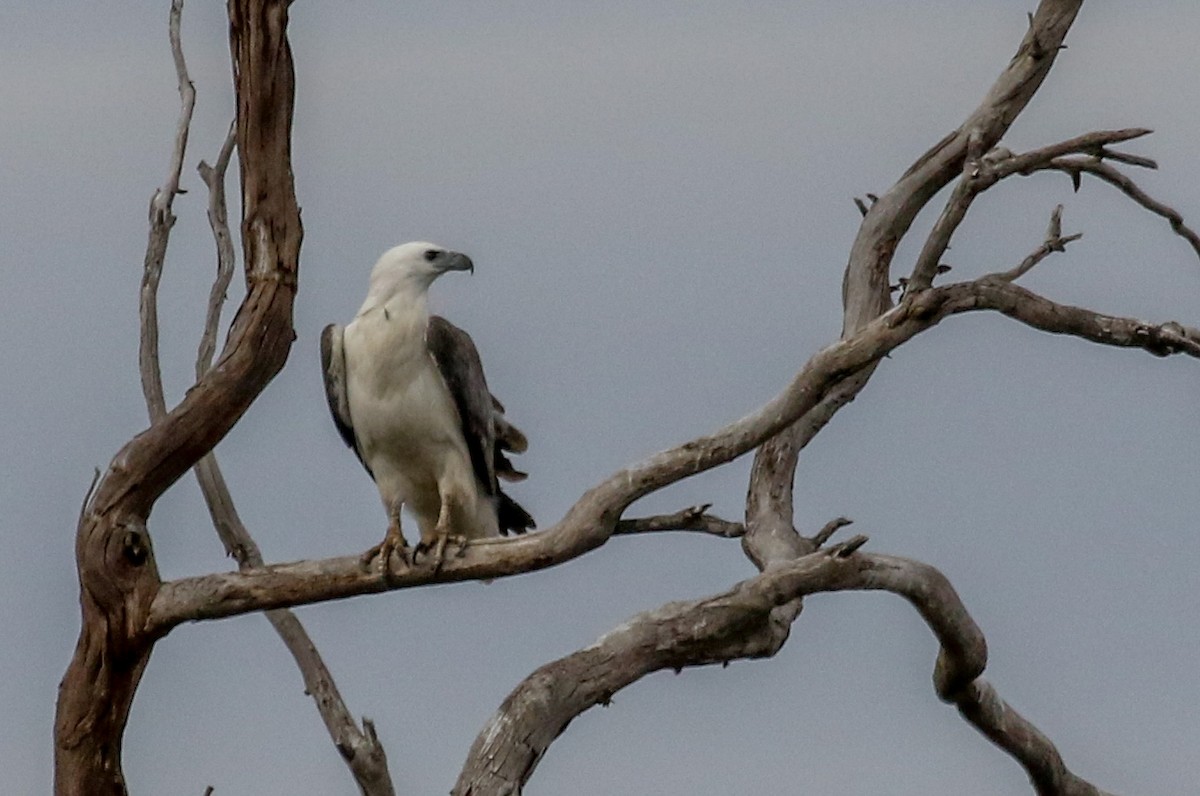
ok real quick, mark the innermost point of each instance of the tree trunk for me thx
(118, 578)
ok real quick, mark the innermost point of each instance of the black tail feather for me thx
(511, 517)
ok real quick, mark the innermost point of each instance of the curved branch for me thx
(1113, 176)
(752, 620)
(117, 572)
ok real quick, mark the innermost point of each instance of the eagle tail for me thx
(511, 517)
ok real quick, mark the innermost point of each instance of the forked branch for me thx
(117, 572)
(866, 283)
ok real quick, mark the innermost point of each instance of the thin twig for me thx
(361, 749)
(1055, 242)
(981, 173)
(695, 518)
(161, 221)
(1074, 166)
(830, 528)
(218, 221)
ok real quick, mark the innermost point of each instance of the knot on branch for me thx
(136, 547)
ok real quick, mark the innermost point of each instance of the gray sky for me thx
(658, 201)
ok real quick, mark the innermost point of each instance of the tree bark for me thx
(118, 577)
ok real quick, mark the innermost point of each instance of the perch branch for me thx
(590, 522)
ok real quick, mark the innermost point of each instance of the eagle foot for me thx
(437, 548)
(393, 542)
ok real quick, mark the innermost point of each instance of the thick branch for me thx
(744, 622)
(752, 620)
(117, 573)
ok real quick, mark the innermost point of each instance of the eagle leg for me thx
(393, 542)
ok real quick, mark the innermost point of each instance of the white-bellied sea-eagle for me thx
(408, 395)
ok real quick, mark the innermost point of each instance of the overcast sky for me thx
(657, 198)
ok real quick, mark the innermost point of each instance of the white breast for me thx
(403, 415)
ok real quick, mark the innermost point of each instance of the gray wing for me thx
(484, 428)
(457, 360)
(333, 369)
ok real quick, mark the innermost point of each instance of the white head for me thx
(412, 267)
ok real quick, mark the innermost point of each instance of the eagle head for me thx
(417, 265)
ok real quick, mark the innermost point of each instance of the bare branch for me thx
(161, 221)
(1094, 144)
(1041, 313)
(361, 750)
(1054, 242)
(695, 518)
(218, 221)
(833, 526)
(751, 620)
(1075, 166)
(866, 284)
(983, 708)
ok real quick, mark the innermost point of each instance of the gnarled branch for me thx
(118, 576)
(865, 286)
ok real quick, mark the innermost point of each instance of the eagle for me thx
(407, 393)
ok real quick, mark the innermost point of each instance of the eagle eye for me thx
(431, 255)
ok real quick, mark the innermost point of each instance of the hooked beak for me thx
(457, 261)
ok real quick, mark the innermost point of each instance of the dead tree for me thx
(127, 608)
